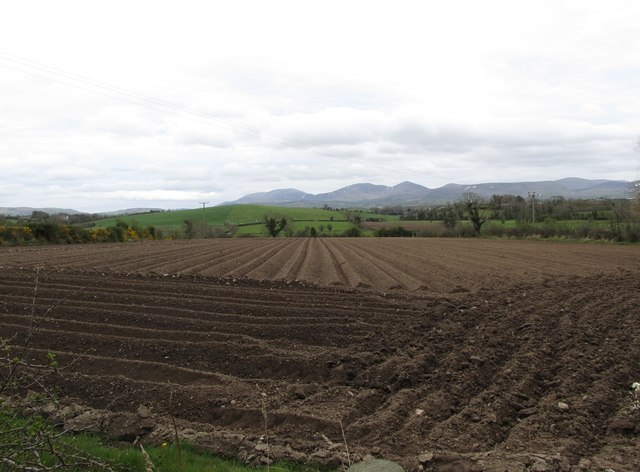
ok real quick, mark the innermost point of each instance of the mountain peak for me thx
(409, 187)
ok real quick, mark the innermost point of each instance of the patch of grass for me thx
(130, 458)
(123, 458)
(165, 458)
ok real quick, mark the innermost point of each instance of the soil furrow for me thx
(508, 353)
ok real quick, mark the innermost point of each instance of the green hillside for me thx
(249, 218)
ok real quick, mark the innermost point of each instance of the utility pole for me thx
(204, 224)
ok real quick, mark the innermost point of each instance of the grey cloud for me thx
(126, 121)
(270, 83)
(328, 127)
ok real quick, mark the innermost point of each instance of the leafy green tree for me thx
(274, 227)
(353, 232)
(39, 215)
(44, 231)
(397, 232)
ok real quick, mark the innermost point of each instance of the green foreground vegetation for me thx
(22, 436)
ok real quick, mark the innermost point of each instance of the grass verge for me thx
(121, 457)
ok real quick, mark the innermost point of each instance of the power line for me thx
(147, 101)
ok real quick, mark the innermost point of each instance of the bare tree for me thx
(449, 218)
(27, 441)
(472, 202)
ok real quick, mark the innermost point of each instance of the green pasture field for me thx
(231, 215)
(258, 229)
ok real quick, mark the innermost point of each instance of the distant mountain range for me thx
(366, 195)
(409, 193)
(27, 211)
(129, 211)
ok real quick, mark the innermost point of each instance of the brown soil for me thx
(437, 266)
(463, 349)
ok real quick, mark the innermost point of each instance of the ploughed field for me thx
(475, 353)
(425, 265)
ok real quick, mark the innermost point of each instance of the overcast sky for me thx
(111, 105)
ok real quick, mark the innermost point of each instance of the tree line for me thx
(607, 219)
(516, 208)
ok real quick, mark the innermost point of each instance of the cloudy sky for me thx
(120, 104)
